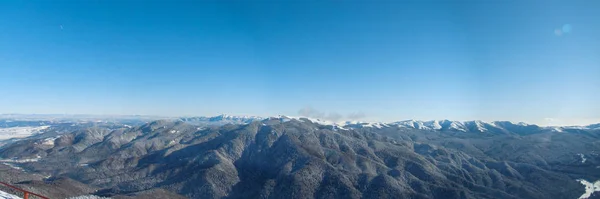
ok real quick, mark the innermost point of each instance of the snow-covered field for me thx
(20, 132)
(590, 188)
(4, 195)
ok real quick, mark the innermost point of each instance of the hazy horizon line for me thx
(65, 116)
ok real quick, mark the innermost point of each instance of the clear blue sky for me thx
(532, 61)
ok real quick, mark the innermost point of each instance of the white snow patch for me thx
(458, 126)
(284, 119)
(4, 195)
(589, 188)
(480, 127)
(377, 125)
(374, 125)
(419, 125)
(583, 159)
(20, 132)
(318, 121)
(359, 124)
(49, 141)
(313, 120)
(434, 125)
(334, 128)
(13, 166)
(37, 158)
(409, 124)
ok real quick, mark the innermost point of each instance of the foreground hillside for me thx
(300, 158)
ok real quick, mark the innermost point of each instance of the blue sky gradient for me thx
(532, 61)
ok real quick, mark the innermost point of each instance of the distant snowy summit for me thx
(432, 125)
(221, 119)
(16, 120)
(441, 125)
(459, 126)
(470, 126)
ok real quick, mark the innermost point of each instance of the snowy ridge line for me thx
(419, 124)
(463, 126)
(439, 125)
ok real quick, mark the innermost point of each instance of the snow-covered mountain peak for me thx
(221, 119)
(285, 118)
(456, 125)
(433, 124)
(437, 125)
(409, 123)
(480, 125)
(234, 117)
(360, 124)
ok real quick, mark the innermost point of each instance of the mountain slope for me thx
(276, 158)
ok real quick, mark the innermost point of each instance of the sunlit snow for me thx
(12, 166)
(589, 188)
(583, 159)
(4, 195)
(480, 126)
(49, 141)
(37, 158)
(20, 132)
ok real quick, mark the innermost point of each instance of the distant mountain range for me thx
(469, 126)
(448, 125)
(477, 125)
(221, 119)
(290, 157)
